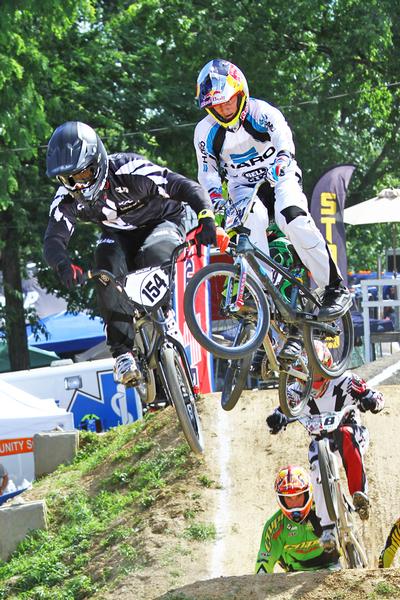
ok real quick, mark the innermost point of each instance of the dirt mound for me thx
(357, 585)
(243, 457)
(223, 499)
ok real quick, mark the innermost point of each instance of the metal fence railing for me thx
(380, 304)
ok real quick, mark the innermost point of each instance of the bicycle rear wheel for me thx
(338, 336)
(183, 397)
(328, 479)
(220, 332)
(236, 374)
(294, 391)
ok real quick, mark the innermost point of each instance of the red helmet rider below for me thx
(294, 492)
(325, 357)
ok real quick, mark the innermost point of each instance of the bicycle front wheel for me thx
(220, 332)
(338, 336)
(183, 397)
(328, 479)
(236, 374)
(356, 556)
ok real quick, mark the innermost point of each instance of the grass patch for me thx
(384, 589)
(201, 532)
(97, 511)
(207, 482)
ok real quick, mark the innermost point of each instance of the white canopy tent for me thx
(383, 208)
(26, 414)
(22, 415)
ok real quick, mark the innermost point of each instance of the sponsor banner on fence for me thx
(16, 446)
(199, 359)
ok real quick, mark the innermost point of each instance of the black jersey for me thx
(137, 193)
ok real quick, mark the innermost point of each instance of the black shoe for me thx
(336, 301)
(291, 350)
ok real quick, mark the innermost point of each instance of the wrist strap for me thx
(206, 212)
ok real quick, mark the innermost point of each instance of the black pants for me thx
(121, 252)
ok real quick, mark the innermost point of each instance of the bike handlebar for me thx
(339, 416)
(108, 276)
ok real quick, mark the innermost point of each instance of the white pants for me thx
(301, 230)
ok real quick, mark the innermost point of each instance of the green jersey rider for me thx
(291, 536)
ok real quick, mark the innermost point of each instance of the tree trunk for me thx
(14, 309)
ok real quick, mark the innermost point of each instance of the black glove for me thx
(372, 401)
(69, 273)
(276, 421)
(206, 232)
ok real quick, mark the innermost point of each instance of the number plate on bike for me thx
(147, 287)
(318, 423)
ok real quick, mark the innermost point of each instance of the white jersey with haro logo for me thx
(245, 151)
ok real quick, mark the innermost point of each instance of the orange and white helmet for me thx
(320, 383)
(219, 81)
(294, 481)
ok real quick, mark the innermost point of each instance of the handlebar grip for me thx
(223, 239)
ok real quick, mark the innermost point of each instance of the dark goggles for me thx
(80, 180)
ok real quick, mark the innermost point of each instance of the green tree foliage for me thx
(129, 69)
(23, 126)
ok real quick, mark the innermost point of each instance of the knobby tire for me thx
(236, 375)
(183, 398)
(217, 345)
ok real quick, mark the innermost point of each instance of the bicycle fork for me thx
(234, 291)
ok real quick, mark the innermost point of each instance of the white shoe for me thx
(361, 504)
(126, 369)
(328, 540)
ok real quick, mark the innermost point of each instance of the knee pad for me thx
(303, 233)
(292, 212)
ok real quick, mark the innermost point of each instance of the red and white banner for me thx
(200, 360)
(16, 446)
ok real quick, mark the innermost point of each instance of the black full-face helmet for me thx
(77, 158)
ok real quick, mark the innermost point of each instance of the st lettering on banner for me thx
(327, 206)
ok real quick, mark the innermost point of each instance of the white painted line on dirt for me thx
(222, 516)
(385, 374)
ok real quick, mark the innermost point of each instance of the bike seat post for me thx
(293, 296)
(243, 244)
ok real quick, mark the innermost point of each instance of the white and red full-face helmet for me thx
(294, 481)
(218, 82)
(320, 383)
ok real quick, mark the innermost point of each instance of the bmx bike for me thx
(146, 294)
(247, 310)
(338, 504)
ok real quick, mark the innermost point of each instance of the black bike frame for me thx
(141, 316)
(245, 249)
